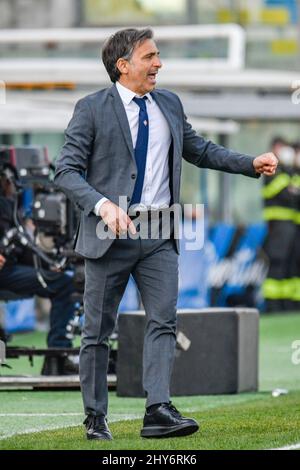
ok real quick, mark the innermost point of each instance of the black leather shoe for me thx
(68, 367)
(166, 421)
(59, 365)
(96, 428)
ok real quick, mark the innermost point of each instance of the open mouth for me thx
(152, 76)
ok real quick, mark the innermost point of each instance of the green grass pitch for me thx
(53, 420)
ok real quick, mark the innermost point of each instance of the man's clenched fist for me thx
(265, 164)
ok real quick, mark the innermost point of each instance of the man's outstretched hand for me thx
(265, 164)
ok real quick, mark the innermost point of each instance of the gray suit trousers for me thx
(154, 266)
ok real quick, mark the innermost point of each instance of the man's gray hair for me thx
(121, 45)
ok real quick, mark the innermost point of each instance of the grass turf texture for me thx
(255, 424)
(244, 421)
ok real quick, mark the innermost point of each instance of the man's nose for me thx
(157, 62)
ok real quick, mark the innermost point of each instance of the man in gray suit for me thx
(128, 140)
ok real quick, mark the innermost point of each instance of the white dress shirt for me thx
(156, 190)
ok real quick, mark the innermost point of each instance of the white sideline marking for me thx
(39, 414)
(112, 419)
(291, 447)
(34, 430)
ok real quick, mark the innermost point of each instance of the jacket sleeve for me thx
(72, 162)
(205, 154)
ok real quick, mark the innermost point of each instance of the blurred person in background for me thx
(294, 276)
(279, 213)
(18, 275)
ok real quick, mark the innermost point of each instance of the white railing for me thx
(178, 73)
(233, 32)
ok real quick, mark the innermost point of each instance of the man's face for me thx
(276, 149)
(7, 188)
(139, 73)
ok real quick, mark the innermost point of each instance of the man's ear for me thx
(122, 66)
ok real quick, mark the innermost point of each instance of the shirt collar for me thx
(128, 95)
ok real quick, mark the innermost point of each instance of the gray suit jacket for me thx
(97, 158)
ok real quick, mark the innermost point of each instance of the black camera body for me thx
(54, 217)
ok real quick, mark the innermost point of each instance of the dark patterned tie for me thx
(141, 147)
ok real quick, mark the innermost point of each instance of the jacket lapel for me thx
(122, 118)
(162, 103)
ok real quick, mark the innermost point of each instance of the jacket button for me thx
(133, 176)
(128, 198)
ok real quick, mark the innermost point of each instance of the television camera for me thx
(35, 197)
